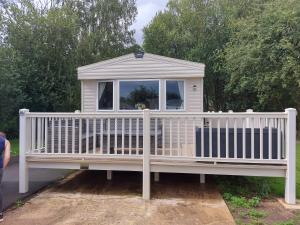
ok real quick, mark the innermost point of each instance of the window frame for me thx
(139, 110)
(113, 98)
(184, 96)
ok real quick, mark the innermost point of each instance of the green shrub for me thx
(241, 202)
(253, 213)
(254, 202)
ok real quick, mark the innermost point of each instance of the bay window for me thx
(138, 95)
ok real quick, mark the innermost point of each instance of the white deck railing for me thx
(250, 143)
(229, 137)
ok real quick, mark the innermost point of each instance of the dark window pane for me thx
(105, 95)
(139, 95)
(175, 94)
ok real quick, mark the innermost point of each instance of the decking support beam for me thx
(202, 178)
(109, 174)
(146, 154)
(290, 179)
(156, 177)
(23, 167)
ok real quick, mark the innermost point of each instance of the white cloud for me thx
(146, 11)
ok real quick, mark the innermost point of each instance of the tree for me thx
(199, 31)
(11, 96)
(44, 43)
(196, 31)
(105, 28)
(263, 59)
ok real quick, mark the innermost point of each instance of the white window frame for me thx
(139, 110)
(184, 96)
(97, 100)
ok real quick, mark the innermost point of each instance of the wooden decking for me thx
(197, 143)
(136, 164)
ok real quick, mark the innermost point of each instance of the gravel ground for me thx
(88, 198)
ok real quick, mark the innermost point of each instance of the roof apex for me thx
(132, 56)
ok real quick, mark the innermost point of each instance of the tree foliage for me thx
(263, 59)
(250, 48)
(196, 31)
(42, 44)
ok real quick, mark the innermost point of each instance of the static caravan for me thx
(134, 82)
(144, 112)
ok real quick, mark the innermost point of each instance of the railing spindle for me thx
(194, 135)
(33, 132)
(39, 134)
(279, 139)
(66, 134)
(46, 135)
(87, 136)
(252, 137)
(130, 135)
(94, 136)
(137, 135)
(59, 135)
(244, 138)
(108, 136)
(178, 137)
(227, 139)
(219, 139)
(235, 138)
(185, 135)
(261, 139)
(123, 133)
(155, 135)
(42, 132)
(116, 136)
(52, 135)
(270, 138)
(101, 136)
(171, 136)
(202, 137)
(163, 137)
(80, 136)
(73, 135)
(210, 137)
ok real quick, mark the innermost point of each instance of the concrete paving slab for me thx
(38, 179)
(88, 198)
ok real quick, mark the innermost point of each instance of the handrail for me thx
(155, 114)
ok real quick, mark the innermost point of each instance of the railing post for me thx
(248, 122)
(23, 168)
(146, 153)
(290, 178)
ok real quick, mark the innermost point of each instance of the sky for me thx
(146, 11)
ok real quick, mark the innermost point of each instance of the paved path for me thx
(38, 178)
(88, 198)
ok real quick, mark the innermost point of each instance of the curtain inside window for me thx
(101, 89)
(181, 92)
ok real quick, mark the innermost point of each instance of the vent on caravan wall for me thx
(139, 54)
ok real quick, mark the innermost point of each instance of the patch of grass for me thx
(19, 203)
(241, 202)
(256, 214)
(14, 147)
